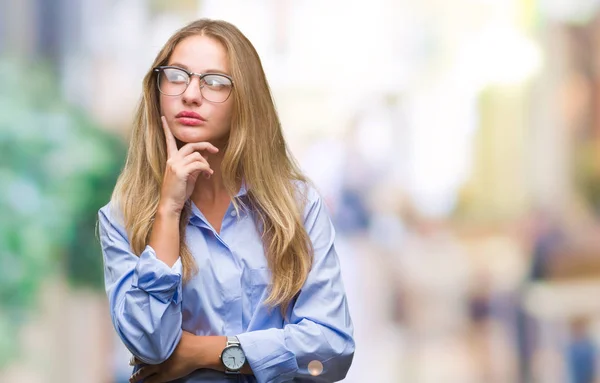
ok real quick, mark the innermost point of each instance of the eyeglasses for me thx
(173, 81)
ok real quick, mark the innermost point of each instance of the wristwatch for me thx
(233, 357)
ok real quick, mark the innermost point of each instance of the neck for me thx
(211, 190)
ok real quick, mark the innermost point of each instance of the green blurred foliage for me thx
(57, 168)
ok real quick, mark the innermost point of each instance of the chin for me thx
(187, 136)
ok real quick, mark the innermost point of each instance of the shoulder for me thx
(110, 219)
(111, 212)
(306, 193)
(310, 200)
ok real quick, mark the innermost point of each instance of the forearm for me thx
(164, 238)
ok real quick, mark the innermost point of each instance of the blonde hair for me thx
(256, 153)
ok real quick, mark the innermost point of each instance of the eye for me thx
(176, 75)
(216, 81)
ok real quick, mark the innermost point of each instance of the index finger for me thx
(198, 146)
(170, 140)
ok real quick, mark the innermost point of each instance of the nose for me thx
(193, 95)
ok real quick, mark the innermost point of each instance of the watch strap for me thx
(233, 341)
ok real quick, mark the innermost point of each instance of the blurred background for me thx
(457, 144)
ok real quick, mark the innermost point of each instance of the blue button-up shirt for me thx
(150, 306)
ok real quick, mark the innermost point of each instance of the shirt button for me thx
(233, 213)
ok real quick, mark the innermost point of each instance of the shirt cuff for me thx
(267, 356)
(156, 278)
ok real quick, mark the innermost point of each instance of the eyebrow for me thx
(207, 71)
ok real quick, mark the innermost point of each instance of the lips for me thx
(190, 118)
(188, 114)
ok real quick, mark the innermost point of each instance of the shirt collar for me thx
(243, 190)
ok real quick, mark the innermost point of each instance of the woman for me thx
(219, 256)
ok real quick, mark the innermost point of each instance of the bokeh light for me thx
(315, 368)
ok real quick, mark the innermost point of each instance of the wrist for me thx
(168, 212)
(210, 349)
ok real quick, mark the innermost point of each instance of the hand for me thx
(182, 362)
(183, 168)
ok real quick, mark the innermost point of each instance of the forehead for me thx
(200, 53)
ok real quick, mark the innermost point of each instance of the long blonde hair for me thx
(256, 153)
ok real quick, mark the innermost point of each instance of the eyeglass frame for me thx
(190, 74)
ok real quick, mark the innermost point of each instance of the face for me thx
(198, 54)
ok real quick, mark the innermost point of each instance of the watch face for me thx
(233, 357)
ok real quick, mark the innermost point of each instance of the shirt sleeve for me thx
(319, 329)
(144, 293)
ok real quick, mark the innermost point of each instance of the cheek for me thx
(162, 103)
(229, 114)
(166, 104)
(224, 117)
